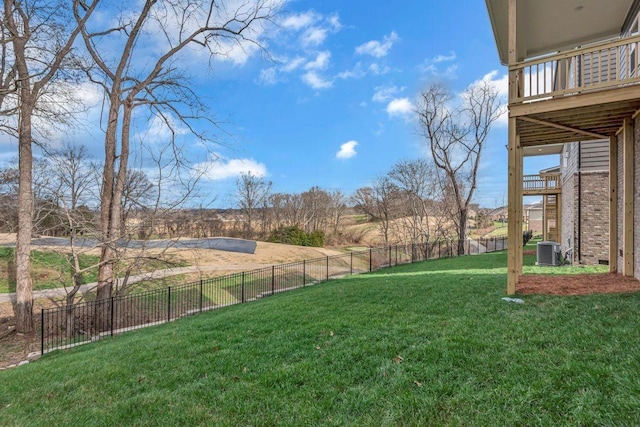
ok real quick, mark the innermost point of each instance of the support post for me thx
(514, 245)
(613, 204)
(629, 187)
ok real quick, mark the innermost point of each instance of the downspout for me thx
(579, 237)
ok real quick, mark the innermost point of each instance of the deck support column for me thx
(514, 245)
(613, 204)
(514, 240)
(629, 187)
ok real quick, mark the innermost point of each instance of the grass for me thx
(49, 269)
(421, 344)
(52, 269)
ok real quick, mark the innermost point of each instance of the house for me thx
(544, 218)
(533, 218)
(585, 204)
(573, 76)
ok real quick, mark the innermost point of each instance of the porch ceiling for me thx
(546, 26)
(602, 119)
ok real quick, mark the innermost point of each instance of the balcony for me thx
(581, 94)
(535, 185)
(609, 65)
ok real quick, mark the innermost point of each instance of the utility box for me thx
(548, 253)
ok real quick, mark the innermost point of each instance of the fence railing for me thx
(64, 327)
(603, 66)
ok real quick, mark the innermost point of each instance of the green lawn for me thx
(422, 344)
(49, 269)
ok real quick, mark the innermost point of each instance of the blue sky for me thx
(332, 106)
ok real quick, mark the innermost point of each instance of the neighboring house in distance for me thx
(585, 202)
(533, 218)
(573, 76)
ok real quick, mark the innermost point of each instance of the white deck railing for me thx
(541, 183)
(598, 67)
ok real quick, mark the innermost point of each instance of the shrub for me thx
(294, 235)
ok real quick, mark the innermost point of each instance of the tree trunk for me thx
(24, 288)
(462, 228)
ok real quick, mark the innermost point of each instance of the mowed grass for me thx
(428, 343)
(49, 269)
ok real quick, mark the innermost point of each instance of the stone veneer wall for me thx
(594, 242)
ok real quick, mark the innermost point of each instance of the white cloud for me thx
(400, 107)
(316, 81)
(313, 36)
(356, 73)
(347, 150)
(219, 168)
(445, 58)
(385, 93)
(162, 129)
(376, 48)
(293, 64)
(334, 21)
(377, 70)
(501, 84)
(441, 66)
(320, 63)
(299, 21)
(268, 76)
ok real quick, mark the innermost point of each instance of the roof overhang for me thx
(547, 26)
(542, 150)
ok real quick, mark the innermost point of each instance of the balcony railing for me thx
(540, 184)
(603, 66)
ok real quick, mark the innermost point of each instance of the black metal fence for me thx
(64, 327)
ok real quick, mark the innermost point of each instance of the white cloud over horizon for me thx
(220, 168)
(347, 150)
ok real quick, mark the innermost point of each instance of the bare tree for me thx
(41, 39)
(418, 183)
(337, 209)
(69, 180)
(253, 192)
(380, 203)
(9, 199)
(157, 82)
(456, 137)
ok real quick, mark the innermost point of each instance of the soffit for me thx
(547, 26)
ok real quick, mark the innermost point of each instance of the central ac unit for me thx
(548, 253)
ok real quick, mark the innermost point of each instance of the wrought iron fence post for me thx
(112, 310)
(351, 264)
(169, 304)
(41, 331)
(243, 286)
(396, 254)
(273, 279)
(201, 292)
(327, 269)
(370, 260)
(389, 255)
(304, 272)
